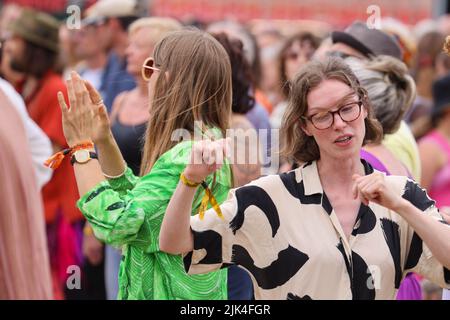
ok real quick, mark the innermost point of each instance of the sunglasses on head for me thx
(148, 69)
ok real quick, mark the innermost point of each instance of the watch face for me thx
(82, 156)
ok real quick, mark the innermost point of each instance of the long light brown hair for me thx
(297, 144)
(194, 84)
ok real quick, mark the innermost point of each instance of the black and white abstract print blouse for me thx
(283, 230)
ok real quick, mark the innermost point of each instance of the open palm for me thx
(86, 119)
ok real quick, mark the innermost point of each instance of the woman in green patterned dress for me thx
(189, 79)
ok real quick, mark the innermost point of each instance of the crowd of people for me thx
(164, 160)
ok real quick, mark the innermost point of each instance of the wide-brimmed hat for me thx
(368, 41)
(104, 9)
(441, 95)
(38, 28)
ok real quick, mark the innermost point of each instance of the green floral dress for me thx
(127, 212)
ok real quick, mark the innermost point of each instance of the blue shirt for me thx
(115, 79)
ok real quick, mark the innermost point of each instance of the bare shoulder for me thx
(119, 100)
(117, 103)
(239, 121)
(430, 147)
(432, 151)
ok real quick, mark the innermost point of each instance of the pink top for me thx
(440, 186)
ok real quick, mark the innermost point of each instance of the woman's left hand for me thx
(373, 187)
(87, 118)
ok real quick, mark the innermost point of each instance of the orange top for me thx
(61, 191)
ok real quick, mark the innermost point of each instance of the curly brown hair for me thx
(241, 73)
(301, 38)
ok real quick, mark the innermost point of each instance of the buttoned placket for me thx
(313, 185)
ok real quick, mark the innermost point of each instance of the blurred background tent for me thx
(336, 13)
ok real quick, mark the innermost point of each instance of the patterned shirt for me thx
(128, 212)
(283, 230)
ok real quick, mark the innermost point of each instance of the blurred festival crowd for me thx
(47, 248)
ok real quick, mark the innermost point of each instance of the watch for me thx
(83, 156)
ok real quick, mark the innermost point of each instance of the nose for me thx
(338, 123)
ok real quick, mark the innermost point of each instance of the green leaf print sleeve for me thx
(125, 182)
(134, 216)
(132, 219)
(129, 217)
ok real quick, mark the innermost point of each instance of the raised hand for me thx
(206, 157)
(102, 131)
(373, 187)
(86, 119)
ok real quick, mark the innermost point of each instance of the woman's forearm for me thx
(176, 236)
(110, 157)
(88, 175)
(435, 234)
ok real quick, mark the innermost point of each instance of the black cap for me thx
(368, 41)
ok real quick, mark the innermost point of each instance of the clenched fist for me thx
(206, 157)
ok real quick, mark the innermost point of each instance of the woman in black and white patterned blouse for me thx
(334, 228)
